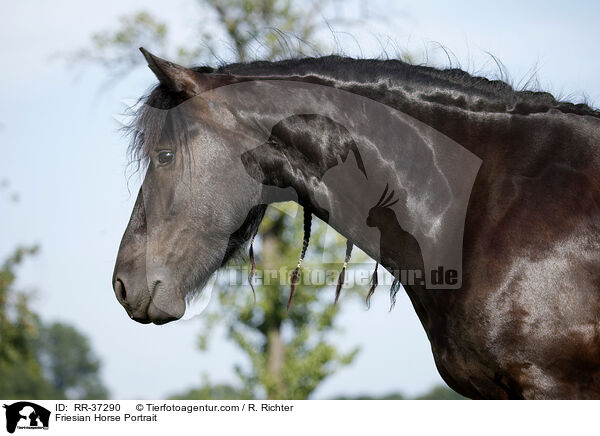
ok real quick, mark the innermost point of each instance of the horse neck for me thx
(455, 124)
(346, 210)
(498, 138)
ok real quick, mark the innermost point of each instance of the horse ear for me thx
(175, 77)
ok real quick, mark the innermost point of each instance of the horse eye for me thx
(164, 157)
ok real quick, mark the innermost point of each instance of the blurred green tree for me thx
(209, 391)
(21, 375)
(68, 362)
(290, 354)
(439, 392)
(39, 361)
(234, 30)
(17, 322)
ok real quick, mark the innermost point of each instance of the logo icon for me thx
(26, 415)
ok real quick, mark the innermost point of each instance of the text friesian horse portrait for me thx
(423, 169)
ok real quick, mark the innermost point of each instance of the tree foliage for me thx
(21, 375)
(228, 30)
(68, 362)
(17, 322)
(40, 361)
(439, 392)
(289, 354)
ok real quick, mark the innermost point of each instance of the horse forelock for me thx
(158, 119)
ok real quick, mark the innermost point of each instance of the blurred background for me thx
(70, 70)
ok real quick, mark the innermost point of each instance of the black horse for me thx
(525, 319)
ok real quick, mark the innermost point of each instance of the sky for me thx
(63, 154)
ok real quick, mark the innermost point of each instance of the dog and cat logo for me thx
(26, 415)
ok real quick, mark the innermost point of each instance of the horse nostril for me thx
(121, 291)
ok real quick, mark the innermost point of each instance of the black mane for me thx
(453, 87)
(388, 81)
